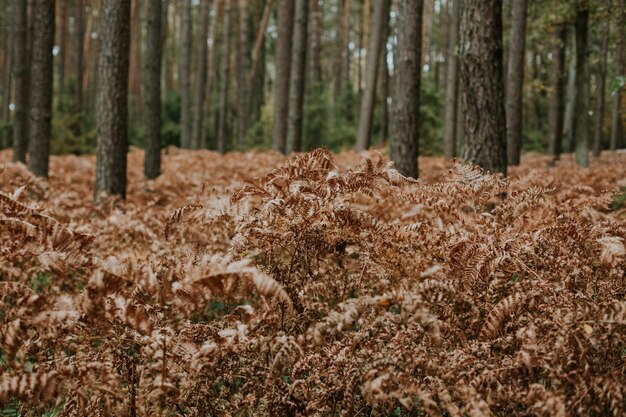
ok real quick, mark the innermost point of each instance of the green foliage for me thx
(430, 123)
(259, 135)
(65, 136)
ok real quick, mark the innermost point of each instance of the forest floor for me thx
(264, 285)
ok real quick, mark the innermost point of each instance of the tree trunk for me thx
(21, 75)
(185, 75)
(297, 77)
(581, 131)
(112, 99)
(617, 129)
(243, 63)
(557, 102)
(224, 80)
(384, 88)
(152, 88)
(483, 85)
(5, 134)
(316, 22)
(210, 69)
(570, 104)
(515, 81)
(41, 88)
(599, 125)
(62, 35)
(452, 63)
(345, 61)
(283, 71)
(406, 95)
(196, 139)
(379, 29)
(78, 49)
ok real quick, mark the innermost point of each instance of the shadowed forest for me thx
(312, 208)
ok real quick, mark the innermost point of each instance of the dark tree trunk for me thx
(283, 71)
(41, 88)
(406, 95)
(211, 70)
(196, 139)
(21, 75)
(384, 89)
(224, 80)
(112, 99)
(297, 78)
(570, 104)
(243, 63)
(78, 49)
(185, 75)
(483, 85)
(599, 125)
(617, 129)
(452, 63)
(5, 134)
(379, 30)
(152, 88)
(581, 124)
(558, 91)
(515, 81)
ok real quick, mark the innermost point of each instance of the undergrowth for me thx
(254, 285)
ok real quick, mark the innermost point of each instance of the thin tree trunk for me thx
(211, 68)
(283, 71)
(570, 104)
(515, 82)
(558, 85)
(224, 80)
(581, 130)
(599, 125)
(112, 99)
(452, 62)
(297, 77)
(5, 133)
(483, 85)
(21, 75)
(384, 88)
(243, 63)
(316, 43)
(196, 140)
(379, 29)
(78, 49)
(152, 88)
(62, 35)
(406, 98)
(259, 41)
(185, 76)
(41, 88)
(345, 61)
(617, 129)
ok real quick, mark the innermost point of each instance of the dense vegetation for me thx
(252, 284)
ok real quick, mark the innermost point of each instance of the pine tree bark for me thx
(62, 35)
(41, 88)
(384, 89)
(112, 99)
(152, 88)
(558, 86)
(617, 129)
(196, 139)
(316, 42)
(515, 81)
(5, 134)
(185, 75)
(483, 85)
(599, 113)
(297, 77)
(243, 63)
(21, 75)
(452, 62)
(211, 70)
(283, 72)
(78, 49)
(224, 80)
(581, 131)
(379, 30)
(570, 100)
(406, 95)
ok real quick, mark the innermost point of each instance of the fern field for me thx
(320, 285)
